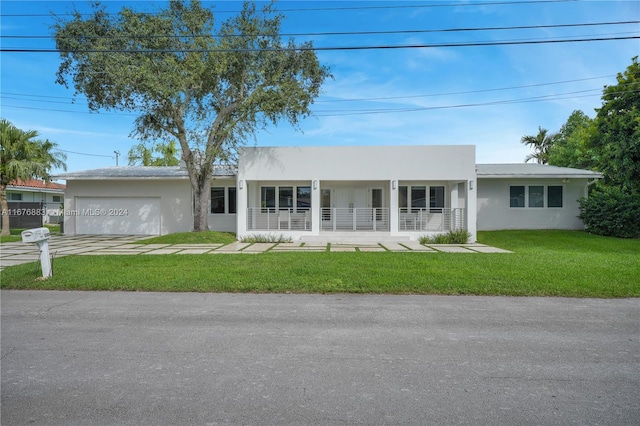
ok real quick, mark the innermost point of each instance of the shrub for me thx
(612, 212)
(266, 238)
(458, 236)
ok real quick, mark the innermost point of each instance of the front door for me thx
(352, 198)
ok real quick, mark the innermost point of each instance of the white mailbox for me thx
(40, 236)
(35, 235)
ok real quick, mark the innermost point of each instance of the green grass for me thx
(545, 263)
(16, 234)
(205, 237)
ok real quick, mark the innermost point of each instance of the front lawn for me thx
(545, 263)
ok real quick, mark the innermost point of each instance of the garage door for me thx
(106, 215)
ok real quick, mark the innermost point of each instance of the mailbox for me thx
(35, 235)
(40, 236)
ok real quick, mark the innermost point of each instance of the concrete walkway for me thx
(89, 245)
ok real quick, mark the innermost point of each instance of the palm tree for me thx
(143, 155)
(169, 154)
(140, 155)
(23, 157)
(541, 143)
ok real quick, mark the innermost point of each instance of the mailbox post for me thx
(40, 236)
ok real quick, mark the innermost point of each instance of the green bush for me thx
(459, 236)
(266, 238)
(612, 212)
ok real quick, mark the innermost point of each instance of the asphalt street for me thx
(94, 358)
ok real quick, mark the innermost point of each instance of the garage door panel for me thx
(123, 215)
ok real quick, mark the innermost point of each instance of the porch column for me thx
(316, 206)
(454, 196)
(394, 216)
(241, 209)
(472, 187)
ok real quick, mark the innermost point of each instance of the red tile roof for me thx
(34, 183)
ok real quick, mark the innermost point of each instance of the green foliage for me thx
(572, 147)
(611, 211)
(458, 236)
(24, 157)
(544, 263)
(617, 135)
(208, 87)
(266, 238)
(142, 155)
(541, 143)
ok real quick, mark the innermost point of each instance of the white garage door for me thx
(106, 215)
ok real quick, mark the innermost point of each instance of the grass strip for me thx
(545, 263)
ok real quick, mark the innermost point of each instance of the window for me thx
(293, 198)
(285, 195)
(232, 200)
(268, 197)
(536, 196)
(516, 196)
(56, 199)
(15, 197)
(303, 197)
(403, 198)
(218, 196)
(554, 196)
(419, 196)
(217, 200)
(326, 204)
(436, 199)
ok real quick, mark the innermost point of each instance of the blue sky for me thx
(488, 96)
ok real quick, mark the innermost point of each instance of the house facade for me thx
(49, 196)
(331, 193)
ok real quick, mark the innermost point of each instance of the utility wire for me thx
(342, 48)
(330, 9)
(82, 153)
(339, 33)
(13, 94)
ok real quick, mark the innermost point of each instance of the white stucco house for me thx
(355, 192)
(49, 195)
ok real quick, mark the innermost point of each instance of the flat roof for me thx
(147, 172)
(524, 170)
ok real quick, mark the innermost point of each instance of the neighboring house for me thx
(48, 196)
(375, 192)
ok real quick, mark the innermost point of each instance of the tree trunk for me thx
(201, 189)
(5, 210)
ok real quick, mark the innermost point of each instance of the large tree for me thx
(617, 134)
(541, 143)
(572, 146)
(24, 157)
(209, 87)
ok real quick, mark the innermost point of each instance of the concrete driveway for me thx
(85, 245)
(91, 358)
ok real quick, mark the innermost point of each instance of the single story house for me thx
(33, 194)
(355, 192)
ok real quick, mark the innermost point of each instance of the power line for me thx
(329, 113)
(12, 94)
(83, 153)
(339, 33)
(331, 9)
(335, 48)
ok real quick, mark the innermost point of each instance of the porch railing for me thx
(270, 219)
(431, 219)
(355, 219)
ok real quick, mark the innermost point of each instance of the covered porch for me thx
(410, 209)
(395, 192)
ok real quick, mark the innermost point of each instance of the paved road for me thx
(83, 358)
